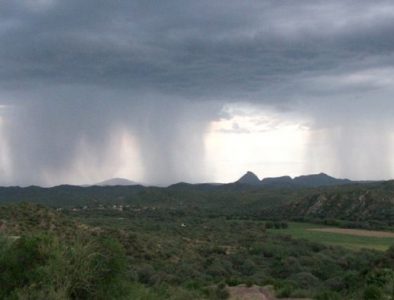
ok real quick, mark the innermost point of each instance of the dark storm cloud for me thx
(83, 69)
(196, 48)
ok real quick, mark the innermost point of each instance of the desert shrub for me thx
(270, 250)
(248, 267)
(331, 222)
(256, 249)
(390, 253)
(300, 293)
(335, 283)
(305, 280)
(285, 290)
(140, 292)
(284, 225)
(328, 295)
(269, 225)
(324, 266)
(145, 274)
(372, 292)
(286, 267)
(218, 269)
(249, 283)
(221, 292)
(233, 281)
(379, 277)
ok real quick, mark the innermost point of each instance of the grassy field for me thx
(354, 242)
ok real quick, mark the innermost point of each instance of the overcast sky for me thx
(199, 91)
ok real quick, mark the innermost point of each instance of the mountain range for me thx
(251, 179)
(313, 180)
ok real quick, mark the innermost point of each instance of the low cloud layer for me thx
(77, 75)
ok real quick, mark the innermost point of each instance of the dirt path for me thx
(356, 232)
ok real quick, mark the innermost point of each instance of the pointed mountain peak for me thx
(249, 178)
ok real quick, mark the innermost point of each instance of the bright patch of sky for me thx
(266, 142)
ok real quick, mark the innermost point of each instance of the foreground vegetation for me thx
(166, 254)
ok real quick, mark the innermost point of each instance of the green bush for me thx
(372, 292)
(269, 225)
(44, 267)
(305, 280)
(285, 291)
(328, 295)
(221, 292)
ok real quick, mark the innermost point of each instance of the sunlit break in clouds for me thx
(161, 92)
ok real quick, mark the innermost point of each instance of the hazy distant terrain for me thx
(115, 182)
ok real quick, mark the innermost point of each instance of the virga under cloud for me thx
(79, 74)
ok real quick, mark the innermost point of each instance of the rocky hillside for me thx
(353, 203)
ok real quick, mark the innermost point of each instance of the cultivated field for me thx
(349, 238)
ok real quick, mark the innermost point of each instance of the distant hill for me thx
(115, 182)
(195, 186)
(249, 178)
(317, 180)
(305, 181)
(283, 181)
